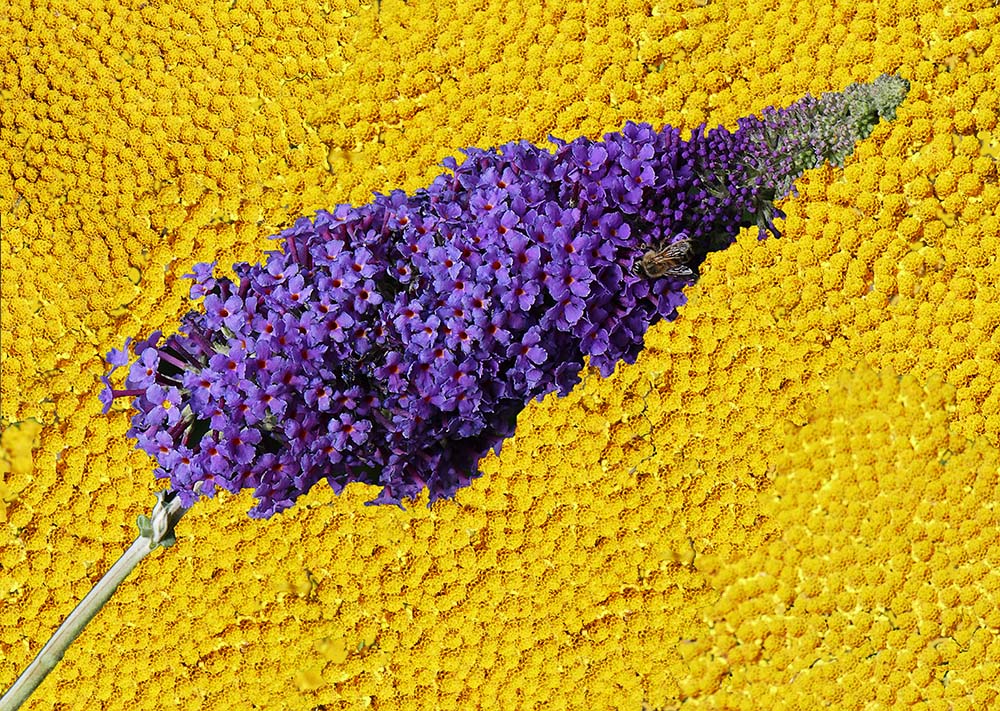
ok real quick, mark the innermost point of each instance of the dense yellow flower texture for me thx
(788, 502)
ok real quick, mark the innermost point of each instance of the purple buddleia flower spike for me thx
(396, 343)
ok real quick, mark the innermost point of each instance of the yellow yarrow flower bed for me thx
(789, 501)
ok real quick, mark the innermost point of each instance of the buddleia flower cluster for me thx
(395, 343)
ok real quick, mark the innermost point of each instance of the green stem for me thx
(156, 530)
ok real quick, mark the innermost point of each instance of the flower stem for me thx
(156, 530)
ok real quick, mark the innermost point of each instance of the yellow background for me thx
(789, 501)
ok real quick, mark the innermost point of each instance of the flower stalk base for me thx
(154, 531)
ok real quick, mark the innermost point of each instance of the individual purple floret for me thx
(395, 343)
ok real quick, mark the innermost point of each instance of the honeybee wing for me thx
(679, 271)
(677, 251)
(676, 254)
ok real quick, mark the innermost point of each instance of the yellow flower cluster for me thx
(758, 513)
(878, 582)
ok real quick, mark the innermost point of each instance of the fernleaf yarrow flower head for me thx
(395, 343)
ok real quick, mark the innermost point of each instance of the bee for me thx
(667, 260)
